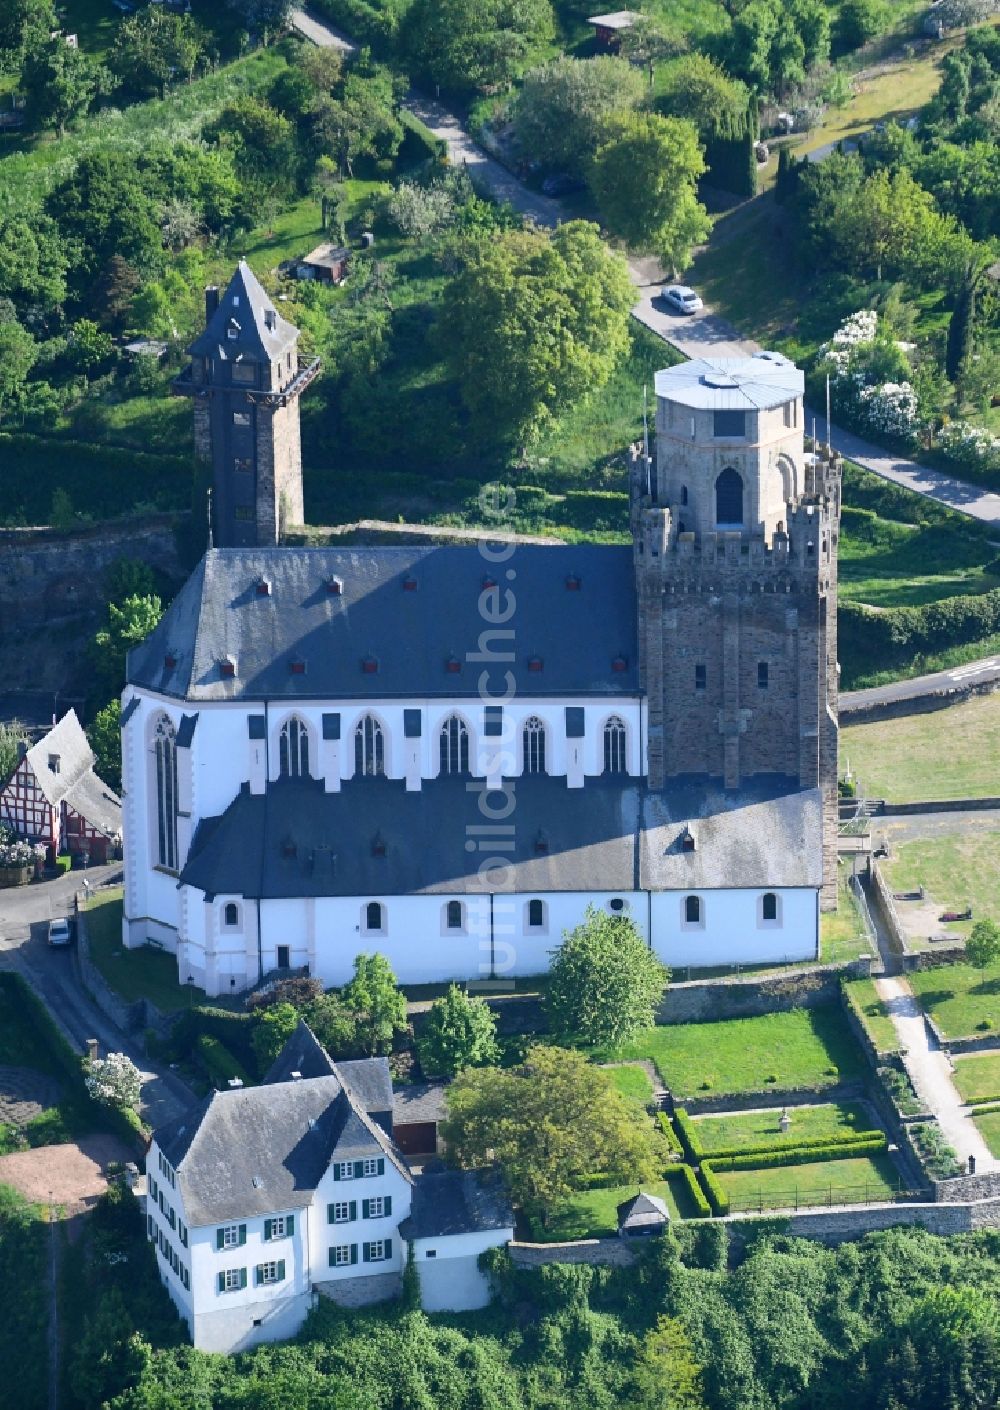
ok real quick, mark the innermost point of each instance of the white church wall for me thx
(731, 930)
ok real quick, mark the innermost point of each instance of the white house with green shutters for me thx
(263, 1198)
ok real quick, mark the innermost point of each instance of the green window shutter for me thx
(329, 1214)
(243, 1234)
(365, 1207)
(381, 1165)
(354, 1253)
(219, 1239)
(353, 1209)
(243, 1277)
(258, 1275)
(388, 1248)
(336, 1169)
(281, 1270)
(359, 1169)
(267, 1229)
(290, 1225)
(387, 1206)
(366, 1252)
(222, 1282)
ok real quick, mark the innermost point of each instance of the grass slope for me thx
(592, 1214)
(874, 1015)
(145, 973)
(977, 1076)
(989, 1128)
(740, 1130)
(953, 753)
(801, 1048)
(959, 997)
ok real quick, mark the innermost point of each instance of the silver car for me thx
(681, 299)
(60, 933)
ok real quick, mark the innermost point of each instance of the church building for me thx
(447, 753)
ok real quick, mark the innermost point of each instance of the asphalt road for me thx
(973, 672)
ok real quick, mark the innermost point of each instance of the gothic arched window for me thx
(373, 917)
(165, 753)
(536, 914)
(455, 916)
(614, 746)
(232, 914)
(293, 749)
(729, 499)
(369, 747)
(533, 740)
(454, 745)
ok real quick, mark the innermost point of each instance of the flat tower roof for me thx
(756, 383)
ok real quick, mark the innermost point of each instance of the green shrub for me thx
(893, 636)
(233, 1031)
(673, 1144)
(419, 142)
(64, 863)
(688, 1134)
(684, 1175)
(871, 1143)
(218, 1061)
(816, 1143)
(717, 1196)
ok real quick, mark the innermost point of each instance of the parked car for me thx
(562, 184)
(682, 299)
(60, 932)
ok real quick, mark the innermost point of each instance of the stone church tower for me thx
(245, 379)
(735, 534)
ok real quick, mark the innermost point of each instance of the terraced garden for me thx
(977, 1077)
(962, 1000)
(754, 1129)
(851, 1180)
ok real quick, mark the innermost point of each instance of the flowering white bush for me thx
(115, 1081)
(890, 409)
(884, 407)
(861, 327)
(15, 853)
(970, 445)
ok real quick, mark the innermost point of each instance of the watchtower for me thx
(246, 382)
(735, 532)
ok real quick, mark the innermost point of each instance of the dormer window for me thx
(409, 583)
(535, 663)
(378, 845)
(688, 841)
(54, 763)
(270, 319)
(453, 666)
(170, 661)
(369, 665)
(296, 667)
(489, 582)
(573, 583)
(262, 587)
(233, 330)
(335, 586)
(541, 842)
(619, 664)
(288, 848)
(227, 667)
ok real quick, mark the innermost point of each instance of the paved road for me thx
(980, 672)
(693, 337)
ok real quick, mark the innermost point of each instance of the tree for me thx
(666, 1374)
(32, 261)
(362, 122)
(644, 180)
(377, 1002)
(103, 210)
(272, 1029)
(18, 354)
(861, 20)
(23, 24)
(469, 45)
(335, 1025)
(261, 16)
(532, 323)
(104, 734)
(983, 945)
(88, 348)
(59, 82)
(261, 139)
(129, 622)
(418, 211)
(563, 106)
(695, 88)
(648, 42)
(553, 1125)
(12, 733)
(153, 46)
(115, 1081)
(604, 981)
(459, 1032)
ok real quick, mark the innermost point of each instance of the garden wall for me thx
(769, 1097)
(702, 1000)
(617, 1252)
(969, 1187)
(834, 1226)
(133, 1019)
(854, 711)
(932, 959)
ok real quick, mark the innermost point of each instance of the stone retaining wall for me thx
(933, 959)
(614, 1252)
(940, 699)
(749, 1101)
(705, 1000)
(835, 1226)
(969, 1187)
(942, 805)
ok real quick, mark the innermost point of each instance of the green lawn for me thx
(959, 997)
(593, 1213)
(146, 973)
(977, 1076)
(841, 932)
(801, 1048)
(956, 870)
(633, 1082)
(988, 1123)
(874, 1015)
(851, 1181)
(951, 753)
(740, 1130)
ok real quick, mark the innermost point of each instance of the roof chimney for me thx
(270, 319)
(235, 1082)
(296, 1076)
(211, 300)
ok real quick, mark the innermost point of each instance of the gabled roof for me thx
(262, 1150)
(642, 1211)
(62, 763)
(385, 622)
(457, 1202)
(261, 333)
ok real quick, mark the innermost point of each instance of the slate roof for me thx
(262, 1150)
(732, 383)
(75, 783)
(370, 1081)
(420, 1102)
(642, 1211)
(456, 1202)
(409, 609)
(297, 840)
(246, 307)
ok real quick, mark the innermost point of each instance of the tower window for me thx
(536, 915)
(454, 915)
(729, 425)
(165, 752)
(232, 914)
(374, 918)
(684, 494)
(729, 499)
(454, 746)
(614, 746)
(244, 372)
(789, 409)
(692, 910)
(241, 418)
(293, 749)
(700, 677)
(533, 740)
(769, 906)
(243, 514)
(369, 747)
(762, 675)
(243, 463)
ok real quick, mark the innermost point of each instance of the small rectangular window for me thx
(244, 372)
(762, 675)
(241, 418)
(340, 1256)
(729, 425)
(700, 677)
(789, 410)
(345, 1170)
(371, 1167)
(375, 1208)
(341, 1212)
(233, 1279)
(243, 514)
(277, 1228)
(243, 464)
(229, 1236)
(267, 1273)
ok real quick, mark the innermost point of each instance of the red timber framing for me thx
(59, 826)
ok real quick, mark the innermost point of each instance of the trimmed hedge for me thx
(419, 142)
(218, 1061)
(685, 1129)
(232, 1030)
(871, 1144)
(717, 1197)
(816, 1143)
(684, 1175)
(672, 1142)
(893, 636)
(107, 482)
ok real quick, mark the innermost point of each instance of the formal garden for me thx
(963, 1001)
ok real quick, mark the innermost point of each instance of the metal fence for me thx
(823, 1197)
